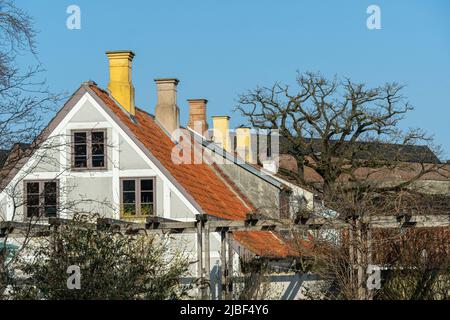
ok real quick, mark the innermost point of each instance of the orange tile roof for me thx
(211, 193)
(268, 244)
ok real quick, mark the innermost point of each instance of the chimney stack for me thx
(244, 147)
(120, 84)
(221, 131)
(197, 115)
(167, 112)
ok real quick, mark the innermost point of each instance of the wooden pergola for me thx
(204, 225)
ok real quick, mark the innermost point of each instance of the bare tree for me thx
(341, 130)
(414, 260)
(25, 103)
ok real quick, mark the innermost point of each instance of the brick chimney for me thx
(197, 115)
(120, 84)
(167, 112)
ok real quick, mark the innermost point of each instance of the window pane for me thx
(50, 211)
(80, 150)
(32, 211)
(98, 137)
(129, 197)
(98, 149)
(129, 209)
(80, 162)
(146, 209)
(33, 187)
(146, 197)
(50, 187)
(79, 137)
(32, 199)
(147, 184)
(50, 199)
(98, 161)
(129, 185)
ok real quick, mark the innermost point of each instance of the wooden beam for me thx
(229, 284)
(207, 260)
(200, 271)
(223, 264)
(20, 229)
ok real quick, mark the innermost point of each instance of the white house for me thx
(101, 154)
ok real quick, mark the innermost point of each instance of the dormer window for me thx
(89, 150)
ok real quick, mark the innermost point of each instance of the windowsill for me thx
(88, 169)
(135, 218)
(40, 220)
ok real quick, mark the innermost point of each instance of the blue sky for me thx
(221, 48)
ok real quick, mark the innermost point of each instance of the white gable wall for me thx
(98, 189)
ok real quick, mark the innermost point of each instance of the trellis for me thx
(204, 225)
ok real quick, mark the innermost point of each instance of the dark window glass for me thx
(33, 199)
(146, 197)
(98, 149)
(50, 187)
(98, 161)
(80, 150)
(89, 149)
(79, 137)
(50, 211)
(98, 137)
(146, 184)
(137, 197)
(129, 185)
(32, 211)
(129, 197)
(32, 187)
(41, 198)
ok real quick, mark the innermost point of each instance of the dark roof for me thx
(4, 154)
(383, 151)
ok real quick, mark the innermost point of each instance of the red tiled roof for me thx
(211, 193)
(268, 244)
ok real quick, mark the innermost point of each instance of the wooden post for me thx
(369, 257)
(229, 283)
(360, 247)
(207, 261)
(200, 272)
(351, 246)
(223, 264)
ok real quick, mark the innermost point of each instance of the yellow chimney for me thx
(221, 131)
(120, 84)
(244, 144)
